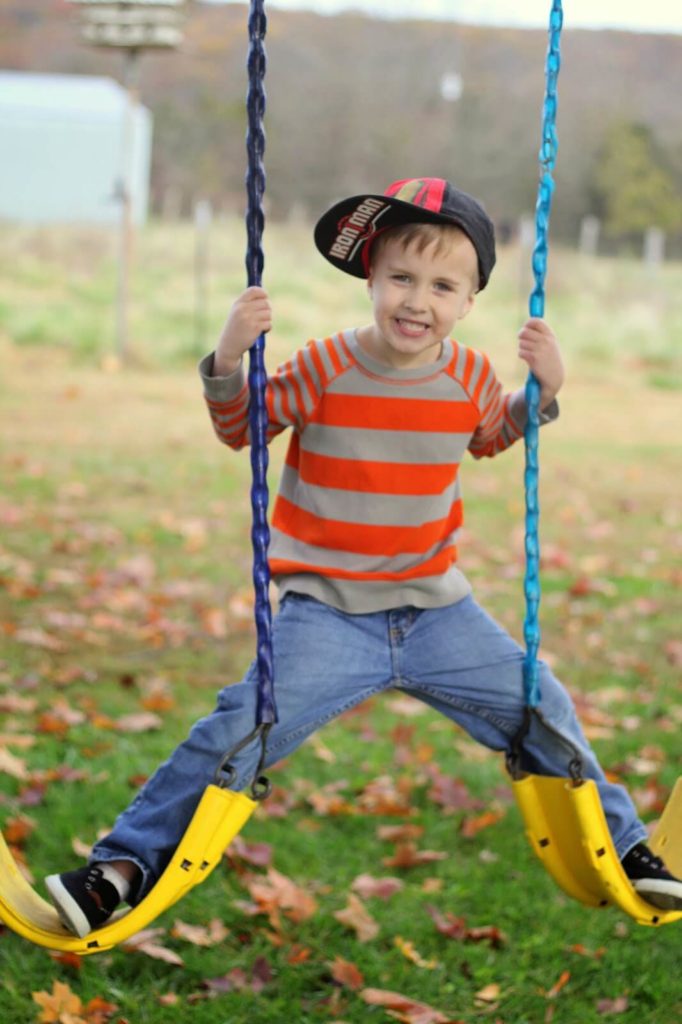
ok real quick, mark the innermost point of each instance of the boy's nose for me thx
(415, 302)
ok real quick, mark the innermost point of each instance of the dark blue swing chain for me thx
(266, 713)
(547, 157)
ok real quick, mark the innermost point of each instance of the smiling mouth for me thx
(411, 328)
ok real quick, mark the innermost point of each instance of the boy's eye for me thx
(400, 277)
(444, 286)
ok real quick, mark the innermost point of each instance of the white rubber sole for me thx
(665, 895)
(71, 915)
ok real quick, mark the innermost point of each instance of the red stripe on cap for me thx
(425, 192)
(366, 250)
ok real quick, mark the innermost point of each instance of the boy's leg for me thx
(462, 663)
(324, 663)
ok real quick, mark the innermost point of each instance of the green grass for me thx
(124, 538)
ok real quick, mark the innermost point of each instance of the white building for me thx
(63, 140)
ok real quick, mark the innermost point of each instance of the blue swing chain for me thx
(547, 157)
(266, 713)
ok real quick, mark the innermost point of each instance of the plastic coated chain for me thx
(258, 416)
(543, 207)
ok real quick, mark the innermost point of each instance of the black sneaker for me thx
(84, 899)
(651, 879)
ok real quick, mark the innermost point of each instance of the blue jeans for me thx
(456, 659)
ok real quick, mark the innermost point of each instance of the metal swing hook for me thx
(226, 773)
(513, 756)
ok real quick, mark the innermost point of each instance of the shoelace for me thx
(649, 860)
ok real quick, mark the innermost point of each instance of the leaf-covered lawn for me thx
(387, 877)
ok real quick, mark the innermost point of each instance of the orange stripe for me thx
(228, 421)
(234, 438)
(319, 366)
(493, 425)
(333, 354)
(482, 380)
(370, 477)
(361, 538)
(469, 361)
(226, 406)
(284, 396)
(347, 352)
(307, 379)
(290, 375)
(435, 566)
(510, 421)
(395, 414)
(451, 368)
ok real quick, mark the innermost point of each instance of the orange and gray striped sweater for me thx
(369, 505)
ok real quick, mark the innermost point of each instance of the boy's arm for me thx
(503, 417)
(288, 395)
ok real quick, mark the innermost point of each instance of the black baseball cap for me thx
(344, 234)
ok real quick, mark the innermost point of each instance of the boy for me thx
(364, 532)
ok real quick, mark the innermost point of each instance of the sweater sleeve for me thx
(503, 416)
(291, 395)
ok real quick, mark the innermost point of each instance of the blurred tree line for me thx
(355, 102)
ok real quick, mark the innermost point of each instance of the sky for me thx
(648, 16)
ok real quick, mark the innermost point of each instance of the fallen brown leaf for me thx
(11, 765)
(346, 973)
(408, 856)
(581, 950)
(356, 916)
(385, 796)
(456, 928)
(556, 988)
(275, 892)
(450, 793)
(408, 950)
(398, 833)
(168, 999)
(146, 942)
(299, 954)
(618, 1005)
(470, 827)
(488, 995)
(72, 960)
(200, 935)
(62, 1006)
(366, 886)
(405, 1009)
(140, 721)
(60, 1001)
(259, 855)
(17, 830)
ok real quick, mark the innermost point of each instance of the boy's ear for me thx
(468, 306)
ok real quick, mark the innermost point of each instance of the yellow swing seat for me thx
(567, 829)
(220, 815)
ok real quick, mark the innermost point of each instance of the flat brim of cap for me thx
(342, 233)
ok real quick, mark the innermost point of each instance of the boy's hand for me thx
(539, 348)
(249, 317)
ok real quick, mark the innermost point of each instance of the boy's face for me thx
(418, 297)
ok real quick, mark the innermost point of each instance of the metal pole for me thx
(126, 196)
(202, 222)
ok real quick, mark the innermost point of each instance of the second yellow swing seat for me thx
(220, 815)
(567, 829)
